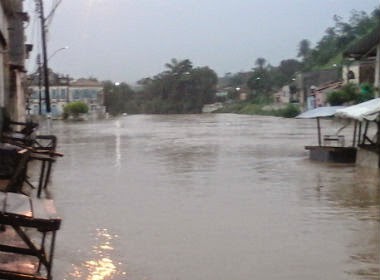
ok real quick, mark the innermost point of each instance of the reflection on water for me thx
(210, 197)
(117, 144)
(101, 266)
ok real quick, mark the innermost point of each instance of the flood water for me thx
(221, 196)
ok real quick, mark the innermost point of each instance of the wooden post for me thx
(319, 132)
(354, 138)
(378, 143)
(377, 72)
(44, 56)
(365, 131)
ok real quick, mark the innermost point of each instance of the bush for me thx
(351, 93)
(348, 93)
(337, 98)
(290, 111)
(367, 92)
(75, 108)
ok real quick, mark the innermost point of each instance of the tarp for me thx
(320, 112)
(368, 110)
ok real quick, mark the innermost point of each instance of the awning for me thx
(368, 110)
(320, 112)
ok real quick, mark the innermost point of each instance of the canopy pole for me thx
(354, 138)
(377, 72)
(365, 132)
(378, 143)
(319, 132)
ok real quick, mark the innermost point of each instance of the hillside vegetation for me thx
(183, 88)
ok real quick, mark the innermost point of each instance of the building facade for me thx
(63, 91)
(13, 52)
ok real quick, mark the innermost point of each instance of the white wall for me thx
(3, 30)
(354, 67)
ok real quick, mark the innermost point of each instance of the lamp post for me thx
(46, 77)
(56, 51)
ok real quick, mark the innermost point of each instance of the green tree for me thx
(260, 62)
(337, 38)
(304, 49)
(260, 83)
(119, 98)
(178, 68)
(179, 89)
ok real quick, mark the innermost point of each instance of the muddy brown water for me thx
(219, 196)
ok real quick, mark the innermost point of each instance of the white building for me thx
(85, 90)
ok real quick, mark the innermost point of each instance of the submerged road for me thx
(197, 197)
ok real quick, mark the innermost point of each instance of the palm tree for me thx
(179, 67)
(304, 49)
(260, 62)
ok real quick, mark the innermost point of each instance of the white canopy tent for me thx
(369, 110)
(320, 112)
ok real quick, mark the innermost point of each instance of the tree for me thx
(119, 98)
(179, 89)
(179, 67)
(260, 82)
(260, 62)
(304, 49)
(288, 67)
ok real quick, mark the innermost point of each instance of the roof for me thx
(366, 46)
(329, 86)
(369, 110)
(86, 83)
(320, 112)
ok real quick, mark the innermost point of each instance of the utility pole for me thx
(39, 84)
(44, 54)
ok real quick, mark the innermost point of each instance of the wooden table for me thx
(35, 222)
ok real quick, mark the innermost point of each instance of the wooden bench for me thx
(10, 154)
(13, 167)
(35, 223)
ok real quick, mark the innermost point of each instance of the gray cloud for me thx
(125, 40)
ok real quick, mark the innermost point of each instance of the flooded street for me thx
(195, 197)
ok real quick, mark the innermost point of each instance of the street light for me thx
(55, 52)
(46, 77)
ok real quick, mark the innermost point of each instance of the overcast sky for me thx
(126, 40)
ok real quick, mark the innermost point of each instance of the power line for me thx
(49, 17)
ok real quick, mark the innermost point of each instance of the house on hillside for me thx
(366, 52)
(308, 82)
(287, 94)
(13, 52)
(323, 91)
(359, 72)
(368, 49)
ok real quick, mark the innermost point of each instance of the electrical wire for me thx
(50, 16)
(34, 35)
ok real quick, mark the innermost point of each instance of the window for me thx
(63, 93)
(35, 94)
(76, 94)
